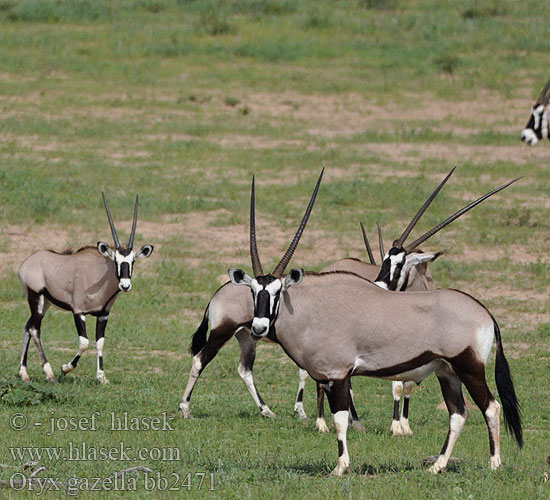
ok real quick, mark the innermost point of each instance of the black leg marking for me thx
(395, 409)
(406, 407)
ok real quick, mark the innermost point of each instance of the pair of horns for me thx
(281, 266)
(544, 96)
(409, 248)
(113, 230)
(367, 244)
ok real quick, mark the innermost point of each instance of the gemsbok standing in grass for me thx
(230, 313)
(84, 282)
(383, 334)
(537, 126)
(411, 275)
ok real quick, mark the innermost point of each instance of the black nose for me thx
(523, 138)
(125, 288)
(259, 331)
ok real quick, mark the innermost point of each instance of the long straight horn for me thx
(399, 243)
(281, 266)
(113, 230)
(446, 222)
(380, 243)
(367, 245)
(133, 233)
(543, 98)
(256, 264)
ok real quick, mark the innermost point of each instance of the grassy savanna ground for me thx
(182, 102)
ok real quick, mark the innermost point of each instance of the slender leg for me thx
(397, 391)
(246, 363)
(339, 399)
(451, 387)
(299, 405)
(83, 342)
(320, 423)
(474, 380)
(38, 305)
(404, 420)
(100, 326)
(23, 364)
(218, 337)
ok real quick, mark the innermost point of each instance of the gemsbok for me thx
(537, 126)
(230, 313)
(383, 334)
(84, 282)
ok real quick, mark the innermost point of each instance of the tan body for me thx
(336, 325)
(231, 311)
(85, 281)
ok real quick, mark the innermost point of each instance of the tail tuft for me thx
(198, 341)
(507, 393)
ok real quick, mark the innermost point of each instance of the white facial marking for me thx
(529, 137)
(260, 325)
(395, 261)
(274, 287)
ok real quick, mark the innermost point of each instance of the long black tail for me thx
(507, 393)
(198, 341)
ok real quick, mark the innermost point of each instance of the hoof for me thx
(405, 427)
(267, 413)
(321, 425)
(495, 463)
(24, 375)
(66, 369)
(299, 409)
(339, 471)
(102, 379)
(184, 410)
(51, 380)
(357, 425)
(396, 428)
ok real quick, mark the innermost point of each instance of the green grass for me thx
(182, 101)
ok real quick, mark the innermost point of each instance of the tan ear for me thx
(293, 278)
(239, 277)
(105, 250)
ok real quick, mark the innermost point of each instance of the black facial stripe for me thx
(125, 271)
(263, 300)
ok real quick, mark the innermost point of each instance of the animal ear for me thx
(413, 259)
(293, 278)
(144, 252)
(239, 277)
(105, 250)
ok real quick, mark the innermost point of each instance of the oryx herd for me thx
(349, 319)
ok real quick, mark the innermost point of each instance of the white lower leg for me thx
(340, 419)
(456, 423)
(47, 369)
(404, 420)
(196, 366)
(24, 374)
(321, 425)
(83, 343)
(248, 380)
(100, 374)
(493, 423)
(299, 405)
(397, 391)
